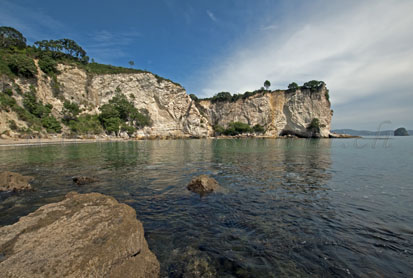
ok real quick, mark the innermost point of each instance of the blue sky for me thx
(363, 50)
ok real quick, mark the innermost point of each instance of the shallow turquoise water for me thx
(288, 208)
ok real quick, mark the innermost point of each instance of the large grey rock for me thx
(85, 235)
(10, 181)
(203, 184)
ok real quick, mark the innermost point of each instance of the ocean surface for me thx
(287, 208)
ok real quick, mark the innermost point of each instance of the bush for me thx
(13, 125)
(258, 128)
(51, 124)
(219, 130)
(327, 95)
(22, 65)
(6, 102)
(86, 124)
(193, 97)
(48, 65)
(236, 128)
(314, 125)
(36, 108)
(129, 129)
(313, 85)
(70, 111)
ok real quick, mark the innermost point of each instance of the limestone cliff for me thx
(173, 113)
(279, 112)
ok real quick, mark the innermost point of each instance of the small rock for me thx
(203, 184)
(82, 180)
(10, 181)
(85, 235)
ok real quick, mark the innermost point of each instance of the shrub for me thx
(13, 125)
(86, 124)
(129, 129)
(313, 85)
(258, 128)
(236, 128)
(6, 102)
(51, 124)
(70, 111)
(36, 108)
(193, 97)
(48, 64)
(8, 92)
(327, 95)
(22, 65)
(314, 125)
(219, 130)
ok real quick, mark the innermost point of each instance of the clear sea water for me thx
(287, 208)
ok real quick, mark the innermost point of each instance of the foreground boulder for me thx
(203, 184)
(82, 180)
(10, 181)
(85, 235)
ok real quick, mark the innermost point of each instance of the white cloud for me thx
(359, 50)
(211, 16)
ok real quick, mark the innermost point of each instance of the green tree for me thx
(22, 65)
(70, 111)
(131, 63)
(293, 86)
(193, 97)
(10, 37)
(267, 84)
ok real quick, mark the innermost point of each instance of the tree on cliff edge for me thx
(10, 37)
(267, 84)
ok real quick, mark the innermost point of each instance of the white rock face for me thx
(172, 112)
(279, 112)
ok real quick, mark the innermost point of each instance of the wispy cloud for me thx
(211, 16)
(361, 50)
(45, 26)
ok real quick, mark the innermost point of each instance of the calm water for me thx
(288, 208)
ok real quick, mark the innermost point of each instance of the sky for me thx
(362, 49)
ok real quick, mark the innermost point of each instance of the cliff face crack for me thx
(135, 254)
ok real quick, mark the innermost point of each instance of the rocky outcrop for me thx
(203, 184)
(85, 235)
(10, 181)
(279, 112)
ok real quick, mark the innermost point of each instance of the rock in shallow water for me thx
(203, 184)
(10, 181)
(85, 235)
(82, 180)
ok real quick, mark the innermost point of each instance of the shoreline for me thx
(12, 142)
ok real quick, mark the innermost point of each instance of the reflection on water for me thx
(289, 208)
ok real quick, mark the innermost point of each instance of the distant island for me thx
(401, 131)
(367, 132)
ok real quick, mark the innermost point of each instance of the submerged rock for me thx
(10, 181)
(203, 184)
(82, 180)
(191, 263)
(85, 235)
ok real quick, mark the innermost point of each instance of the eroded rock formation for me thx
(85, 235)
